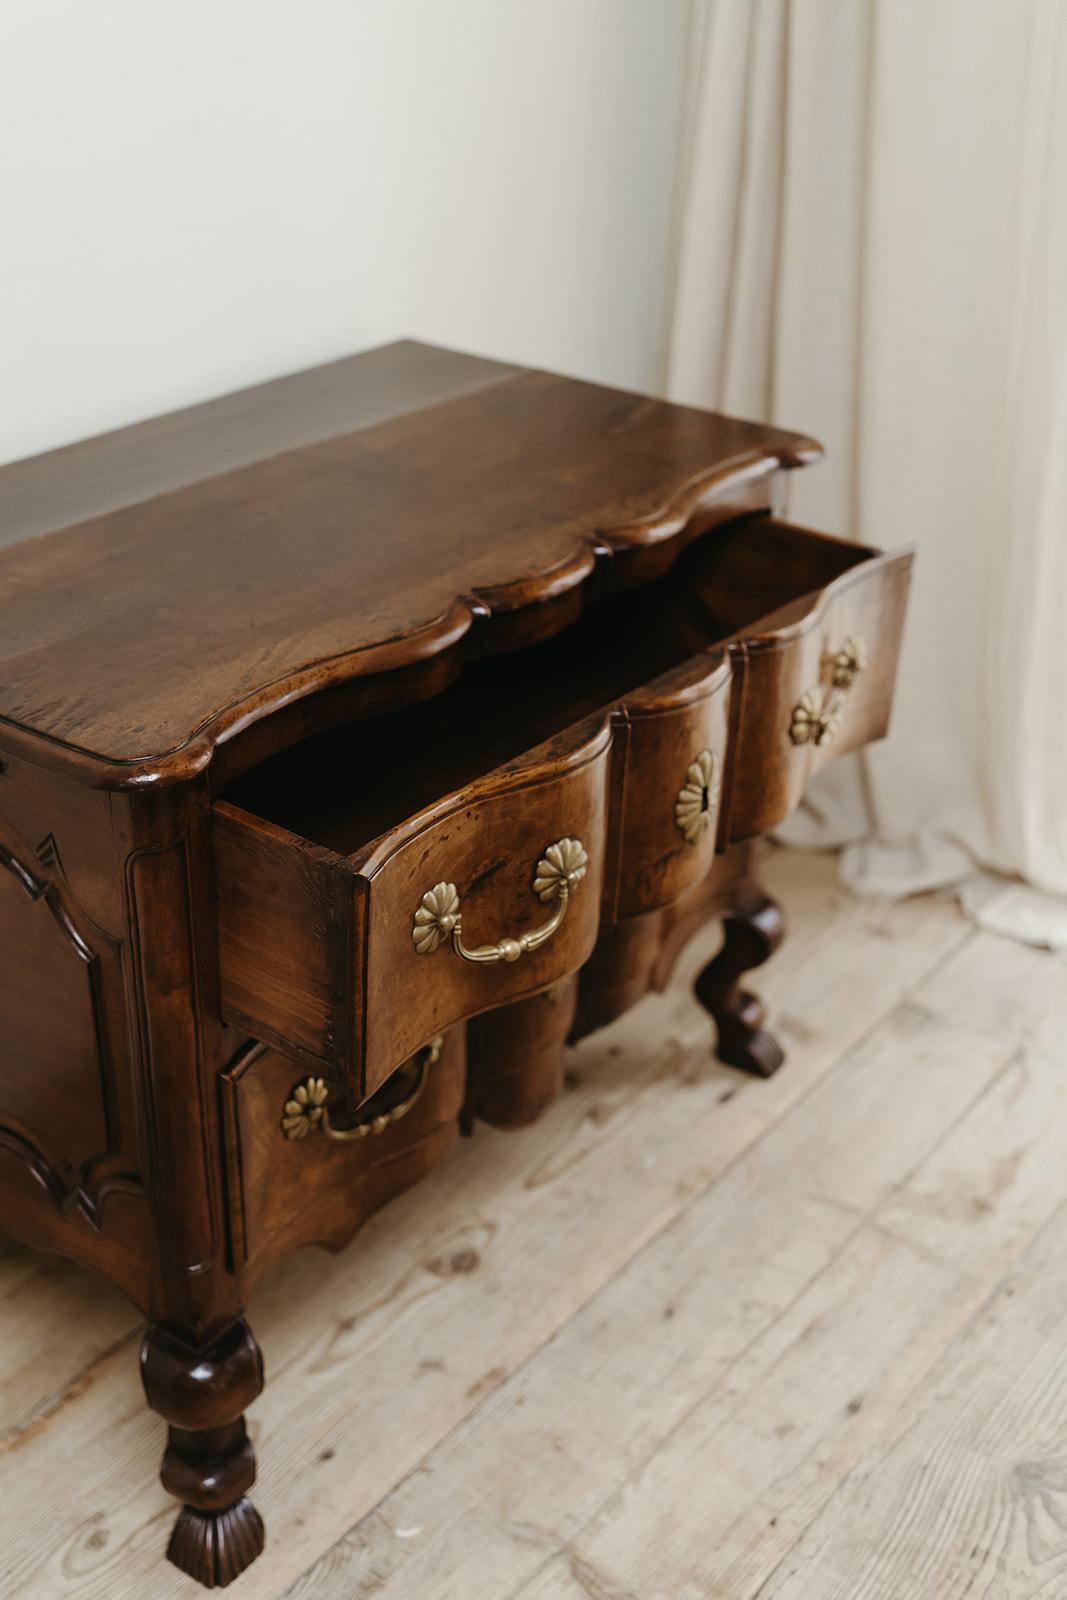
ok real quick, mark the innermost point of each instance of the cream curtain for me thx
(873, 248)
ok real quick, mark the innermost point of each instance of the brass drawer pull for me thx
(307, 1108)
(698, 798)
(556, 876)
(815, 718)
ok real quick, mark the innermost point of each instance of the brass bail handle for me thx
(307, 1107)
(815, 718)
(556, 876)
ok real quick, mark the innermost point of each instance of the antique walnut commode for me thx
(364, 737)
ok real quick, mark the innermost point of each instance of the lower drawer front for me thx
(290, 1186)
(817, 686)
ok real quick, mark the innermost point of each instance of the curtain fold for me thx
(873, 248)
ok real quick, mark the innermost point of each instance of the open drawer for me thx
(813, 678)
(484, 896)
(384, 880)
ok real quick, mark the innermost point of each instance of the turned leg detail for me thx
(209, 1464)
(753, 932)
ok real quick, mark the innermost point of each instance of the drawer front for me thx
(670, 752)
(817, 686)
(317, 951)
(519, 860)
(287, 1189)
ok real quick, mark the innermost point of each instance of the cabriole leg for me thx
(209, 1464)
(753, 931)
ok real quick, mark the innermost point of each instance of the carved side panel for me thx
(55, 1069)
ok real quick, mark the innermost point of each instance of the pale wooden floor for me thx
(691, 1336)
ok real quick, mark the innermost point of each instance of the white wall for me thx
(201, 195)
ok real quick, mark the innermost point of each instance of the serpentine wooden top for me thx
(167, 584)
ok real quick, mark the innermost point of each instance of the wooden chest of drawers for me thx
(364, 737)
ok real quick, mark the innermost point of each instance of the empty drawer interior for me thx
(347, 786)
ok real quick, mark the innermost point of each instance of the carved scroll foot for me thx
(753, 933)
(209, 1464)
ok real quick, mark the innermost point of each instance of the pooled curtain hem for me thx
(998, 904)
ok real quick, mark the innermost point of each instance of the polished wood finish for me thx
(753, 931)
(789, 655)
(516, 1057)
(356, 554)
(308, 653)
(322, 852)
(339, 1184)
(660, 733)
(95, 477)
(463, 838)
(638, 954)
(209, 1464)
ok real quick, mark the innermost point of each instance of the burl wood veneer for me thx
(364, 736)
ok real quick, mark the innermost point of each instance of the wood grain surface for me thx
(337, 545)
(313, 946)
(689, 1335)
